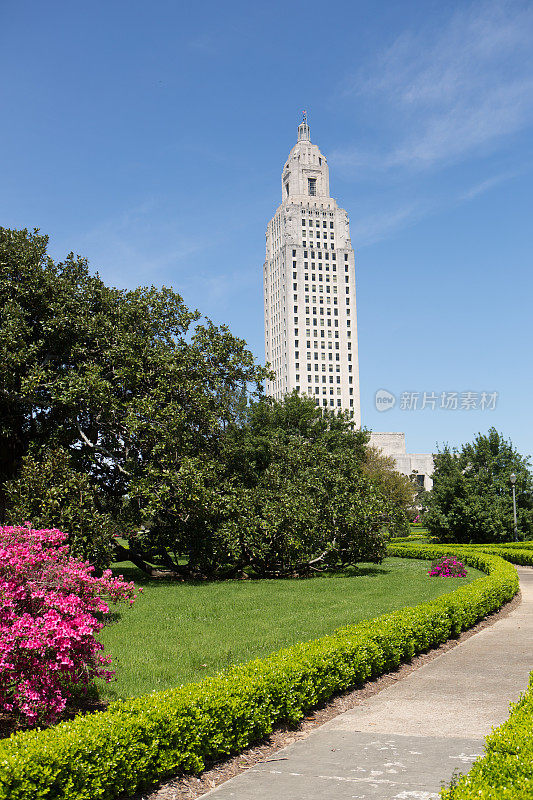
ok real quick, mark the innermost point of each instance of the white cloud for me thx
(488, 184)
(450, 91)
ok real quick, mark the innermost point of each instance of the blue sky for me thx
(150, 137)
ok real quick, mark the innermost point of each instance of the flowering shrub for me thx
(448, 567)
(48, 602)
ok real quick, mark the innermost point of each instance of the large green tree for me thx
(289, 493)
(129, 384)
(471, 499)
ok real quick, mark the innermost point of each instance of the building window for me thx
(311, 182)
(287, 189)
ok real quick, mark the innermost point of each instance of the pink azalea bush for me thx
(448, 567)
(48, 602)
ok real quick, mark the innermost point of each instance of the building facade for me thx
(417, 466)
(309, 288)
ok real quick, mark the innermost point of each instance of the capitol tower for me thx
(309, 288)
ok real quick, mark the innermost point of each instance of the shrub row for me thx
(527, 545)
(413, 537)
(521, 556)
(505, 772)
(138, 741)
(515, 554)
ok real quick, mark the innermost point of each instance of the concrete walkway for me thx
(405, 741)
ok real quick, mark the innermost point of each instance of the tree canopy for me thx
(471, 500)
(127, 382)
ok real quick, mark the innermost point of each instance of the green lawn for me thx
(180, 632)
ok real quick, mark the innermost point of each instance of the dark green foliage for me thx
(505, 772)
(53, 495)
(471, 500)
(138, 741)
(127, 382)
(289, 492)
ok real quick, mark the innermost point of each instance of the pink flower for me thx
(47, 622)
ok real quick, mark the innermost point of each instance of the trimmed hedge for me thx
(138, 741)
(515, 553)
(505, 772)
(520, 545)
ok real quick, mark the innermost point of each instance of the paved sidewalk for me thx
(405, 741)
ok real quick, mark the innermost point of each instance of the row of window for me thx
(313, 210)
(330, 368)
(317, 223)
(315, 320)
(324, 401)
(321, 299)
(314, 333)
(318, 310)
(331, 236)
(333, 255)
(321, 267)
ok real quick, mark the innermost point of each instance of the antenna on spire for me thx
(303, 129)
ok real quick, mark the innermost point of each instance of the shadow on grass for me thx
(132, 573)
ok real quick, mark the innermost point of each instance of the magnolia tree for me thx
(49, 609)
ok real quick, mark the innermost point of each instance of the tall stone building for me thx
(309, 287)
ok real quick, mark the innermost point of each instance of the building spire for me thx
(303, 129)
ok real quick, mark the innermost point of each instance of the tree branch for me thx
(103, 450)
